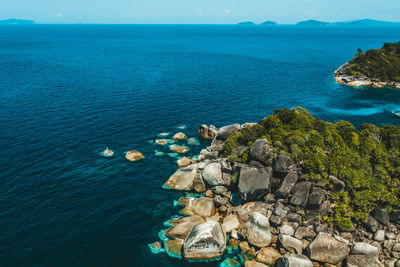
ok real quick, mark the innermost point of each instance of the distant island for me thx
(376, 68)
(246, 23)
(312, 23)
(269, 23)
(16, 22)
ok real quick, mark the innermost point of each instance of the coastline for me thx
(342, 77)
(278, 219)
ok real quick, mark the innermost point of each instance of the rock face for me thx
(205, 241)
(328, 249)
(293, 260)
(226, 131)
(182, 179)
(254, 183)
(208, 132)
(133, 155)
(257, 230)
(316, 199)
(212, 174)
(261, 152)
(300, 194)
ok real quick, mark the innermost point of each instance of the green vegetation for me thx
(382, 64)
(366, 159)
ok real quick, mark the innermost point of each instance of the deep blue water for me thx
(67, 92)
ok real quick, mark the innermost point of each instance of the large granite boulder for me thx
(328, 249)
(268, 256)
(316, 198)
(290, 243)
(282, 164)
(212, 174)
(226, 131)
(205, 241)
(257, 230)
(230, 223)
(246, 210)
(203, 207)
(287, 185)
(254, 183)
(182, 179)
(179, 136)
(337, 184)
(133, 155)
(208, 132)
(293, 260)
(183, 227)
(382, 216)
(262, 152)
(300, 194)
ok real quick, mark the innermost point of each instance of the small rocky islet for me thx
(263, 211)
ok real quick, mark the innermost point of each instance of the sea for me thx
(69, 91)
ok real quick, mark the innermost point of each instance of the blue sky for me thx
(200, 11)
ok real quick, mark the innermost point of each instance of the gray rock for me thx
(379, 235)
(390, 235)
(212, 174)
(389, 244)
(231, 222)
(381, 215)
(364, 249)
(395, 216)
(363, 260)
(203, 207)
(182, 179)
(305, 233)
(372, 224)
(275, 220)
(282, 164)
(317, 197)
(338, 185)
(246, 210)
(183, 227)
(198, 184)
(254, 183)
(294, 217)
(328, 249)
(287, 185)
(286, 230)
(255, 163)
(300, 194)
(226, 131)
(257, 230)
(205, 241)
(208, 132)
(293, 260)
(396, 247)
(261, 152)
(270, 198)
(220, 201)
(290, 243)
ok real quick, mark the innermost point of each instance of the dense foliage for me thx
(382, 64)
(366, 159)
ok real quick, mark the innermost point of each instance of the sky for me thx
(197, 12)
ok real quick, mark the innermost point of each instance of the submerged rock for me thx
(182, 179)
(257, 230)
(254, 183)
(179, 136)
(326, 248)
(205, 241)
(161, 141)
(228, 262)
(262, 152)
(173, 248)
(156, 248)
(133, 155)
(179, 149)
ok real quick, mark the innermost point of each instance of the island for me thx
(367, 23)
(312, 23)
(269, 23)
(290, 190)
(246, 23)
(16, 22)
(375, 68)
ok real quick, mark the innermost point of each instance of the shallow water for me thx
(69, 91)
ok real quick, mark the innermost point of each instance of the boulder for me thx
(363, 260)
(293, 260)
(254, 183)
(183, 162)
(379, 236)
(203, 207)
(205, 241)
(253, 264)
(364, 249)
(133, 155)
(198, 184)
(231, 222)
(372, 224)
(173, 248)
(300, 194)
(328, 249)
(183, 227)
(395, 216)
(220, 201)
(337, 184)
(179, 136)
(290, 243)
(246, 210)
(316, 198)
(304, 232)
(208, 132)
(182, 179)
(212, 174)
(262, 152)
(282, 164)
(257, 230)
(286, 230)
(226, 131)
(287, 185)
(268, 256)
(382, 216)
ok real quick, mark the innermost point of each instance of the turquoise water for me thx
(69, 91)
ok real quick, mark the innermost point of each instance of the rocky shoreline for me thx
(342, 76)
(265, 213)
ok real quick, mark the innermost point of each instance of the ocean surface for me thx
(69, 91)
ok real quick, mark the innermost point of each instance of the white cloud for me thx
(227, 11)
(58, 14)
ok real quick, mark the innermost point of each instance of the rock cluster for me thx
(278, 222)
